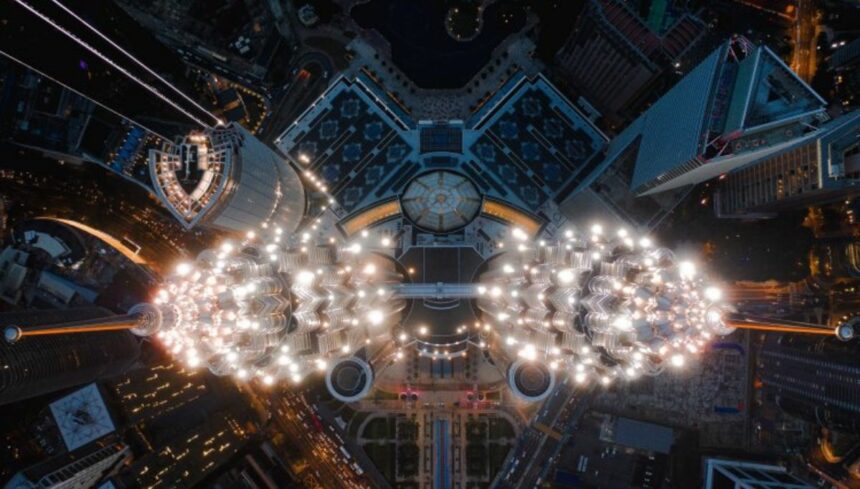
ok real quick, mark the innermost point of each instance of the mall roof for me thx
(643, 436)
(349, 137)
(538, 140)
(525, 145)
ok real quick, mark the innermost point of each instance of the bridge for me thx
(437, 291)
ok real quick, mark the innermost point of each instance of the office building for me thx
(45, 364)
(845, 65)
(82, 417)
(156, 390)
(227, 179)
(613, 58)
(259, 468)
(740, 105)
(822, 167)
(188, 444)
(87, 448)
(814, 379)
(61, 124)
(733, 474)
(778, 299)
(80, 469)
(183, 423)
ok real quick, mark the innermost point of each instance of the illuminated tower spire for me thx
(265, 309)
(50, 359)
(605, 307)
(601, 307)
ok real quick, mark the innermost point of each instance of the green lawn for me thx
(500, 428)
(407, 430)
(383, 456)
(385, 396)
(407, 460)
(377, 429)
(476, 430)
(498, 452)
(476, 460)
(355, 423)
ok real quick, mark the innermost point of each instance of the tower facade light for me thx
(273, 311)
(601, 305)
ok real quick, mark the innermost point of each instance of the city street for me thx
(316, 439)
(803, 60)
(308, 80)
(535, 453)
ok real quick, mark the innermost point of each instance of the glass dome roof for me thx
(441, 201)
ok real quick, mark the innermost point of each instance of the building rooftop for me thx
(846, 54)
(536, 138)
(82, 417)
(669, 134)
(526, 146)
(740, 104)
(641, 435)
(441, 201)
(352, 142)
(734, 473)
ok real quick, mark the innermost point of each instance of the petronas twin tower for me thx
(275, 308)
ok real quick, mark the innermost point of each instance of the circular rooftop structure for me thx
(349, 379)
(531, 381)
(441, 201)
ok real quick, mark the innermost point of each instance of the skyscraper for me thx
(845, 64)
(186, 423)
(814, 379)
(59, 123)
(227, 179)
(740, 105)
(191, 454)
(613, 57)
(734, 474)
(47, 364)
(80, 469)
(159, 389)
(823, 166)
(779, 299)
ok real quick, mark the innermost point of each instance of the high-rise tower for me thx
(740, 105)
(227, 179)
(615, 58)
(78, 469)
(738, 474)
(814, 379)
(46, 364)
(822, 167)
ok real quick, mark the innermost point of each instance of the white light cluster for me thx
(268, 310)
(603, 306)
